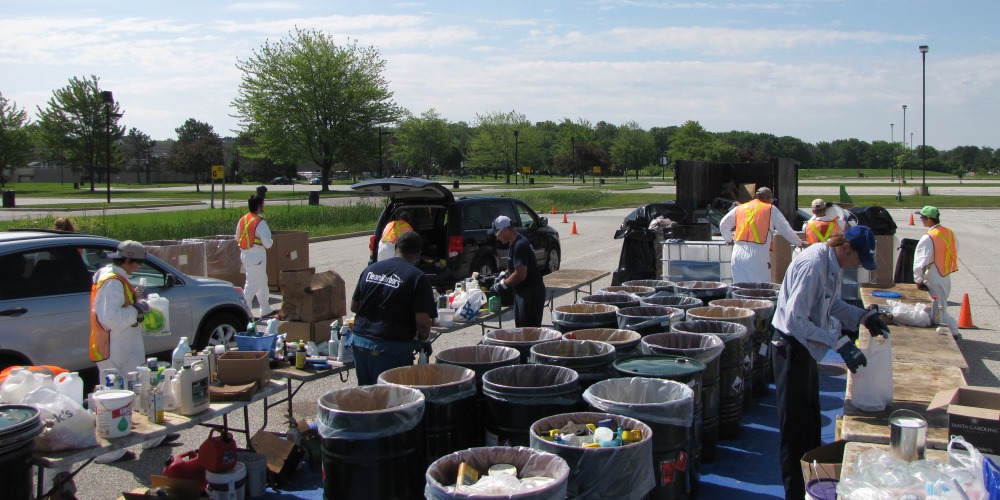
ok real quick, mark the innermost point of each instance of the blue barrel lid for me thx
(659, 366)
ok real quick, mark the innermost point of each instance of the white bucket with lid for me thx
(227, 485)
(256, 465)
(114, 412)
(446, 317)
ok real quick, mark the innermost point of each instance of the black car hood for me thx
(405, 188)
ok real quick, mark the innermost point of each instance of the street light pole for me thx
(923, 132)
(516, 142)
(904, 139)
(108, 99)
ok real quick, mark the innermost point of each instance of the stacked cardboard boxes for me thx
(222, 257)
(188, 256)
(310, 302)
(289, 251)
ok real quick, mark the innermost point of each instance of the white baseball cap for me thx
(498, 224)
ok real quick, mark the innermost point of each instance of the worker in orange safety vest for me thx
(387, 244)
(935, 258)
(253, 236)
(824, 223)
(749, 228)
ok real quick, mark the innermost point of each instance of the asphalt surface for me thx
(594, 248)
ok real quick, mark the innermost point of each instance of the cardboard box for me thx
(283, 456)
(244, 367)
(188, 256)
(289, 251)
(885, 260)
(973, 413)
(317, 331)
(823, 462)
(781, 256)
(746, 192)
(308, 296)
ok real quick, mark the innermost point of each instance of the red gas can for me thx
(186, 466)
(218, 453)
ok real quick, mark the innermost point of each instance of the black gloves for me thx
(425, 347)
(874, 323)
(498, 287)
(853, 357)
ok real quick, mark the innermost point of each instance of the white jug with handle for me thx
(70, 384)
(19, 383)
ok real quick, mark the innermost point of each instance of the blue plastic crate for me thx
(248, 343)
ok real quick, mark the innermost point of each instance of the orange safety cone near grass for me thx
(565, 220)
(965, 316)
(574, 229)
(553, 209)
(911, 218)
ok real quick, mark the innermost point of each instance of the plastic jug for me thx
(218, 453)
(193, 382)
(177, 360)
(169, 396)
(18, 384)
(186, 466)
(70, 384)
(157, 321)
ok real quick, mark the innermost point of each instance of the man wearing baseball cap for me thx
(522, 274)
(935, 258)
(749, 227)
(823, 223)
(808, 301)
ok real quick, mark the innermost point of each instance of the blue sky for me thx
(819, 70)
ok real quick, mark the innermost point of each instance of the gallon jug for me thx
(169, 396)
(70, 384)
(186, 466)
(157, 321)
(193, 382)
(18, 384)
(218, 453)
(177, 360)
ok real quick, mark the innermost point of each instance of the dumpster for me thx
(667, 407)
(601, 473)
(521, 338)
(730, 370)
(647, 319)
(705, 348)
(519, 395)
(480, 359)
(527, 462)
(707, 291)
(744, 317)
(579, 316)
(590, 359)
(761, 345)
(371, 433)
(19, 425)
(449, 398)
(625, 342)
(618, 300)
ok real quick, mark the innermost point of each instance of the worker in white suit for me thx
(935, 258)
(253, 236)
(750, 228)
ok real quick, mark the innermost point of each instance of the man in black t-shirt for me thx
(393, 302)
(522, 274)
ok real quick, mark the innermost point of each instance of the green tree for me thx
(15, 137)
(493, 146)
(574, 152)
(307, 98)
(692, 142)
(198, 147)
(633, 148)
(460, 134)
(138, 150)
(74, 126)
(422, 142)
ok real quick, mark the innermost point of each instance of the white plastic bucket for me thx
(446, 317)
(227, 485)
(256, 465)
(114, 412)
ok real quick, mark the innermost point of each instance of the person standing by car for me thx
(823, 224)
(116, 310)
(391, 233)
(65, 224)
(522, 274)
(262, 192)
(392, 302)
(253, 236)
(749, 227)
(805, 330)
(935, 258)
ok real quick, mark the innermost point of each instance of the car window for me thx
(38, 273)
(96, 258)
(477, 216)
(502, 207)
(527, 220)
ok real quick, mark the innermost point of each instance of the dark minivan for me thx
(455, 236)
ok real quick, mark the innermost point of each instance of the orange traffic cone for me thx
(565, 220)
(574, 232)
(911, 218)
(965, 316)
(553, 209)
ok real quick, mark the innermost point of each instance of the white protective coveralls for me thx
(937, 285)
(254, 261)
(752, 261)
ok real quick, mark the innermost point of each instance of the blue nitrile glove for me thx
(853, 357)
(498, 287)
(874, 323)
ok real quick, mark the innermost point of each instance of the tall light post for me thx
(923, 131)
(108, 99)
(904, 139)
(516, 142)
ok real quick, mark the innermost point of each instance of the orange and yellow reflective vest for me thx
(818, 231)
(100, 337)
(393, 229)
(945, 251)
(248, 231)
(753, 222)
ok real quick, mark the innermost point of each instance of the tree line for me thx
(307, 100)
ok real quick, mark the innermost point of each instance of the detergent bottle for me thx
(177, 360)
(193, 383)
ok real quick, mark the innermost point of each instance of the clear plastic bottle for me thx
(333, 346)
(177, 360)
(170, 402)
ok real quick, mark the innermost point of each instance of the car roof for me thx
(405, 188)
(16, 235)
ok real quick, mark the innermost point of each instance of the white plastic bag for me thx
(910, 314)
(67, 425)
(467, 305)
(156, 323)
(871, 386)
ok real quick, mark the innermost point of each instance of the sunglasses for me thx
(922, 217)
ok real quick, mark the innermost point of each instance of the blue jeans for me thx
(374, 356)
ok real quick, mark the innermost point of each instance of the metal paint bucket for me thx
(907, 435)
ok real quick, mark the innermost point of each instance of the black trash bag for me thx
(876, 218)
(638, 257)
(904, 261)
(642, 216)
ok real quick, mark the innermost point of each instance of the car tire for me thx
(485, 267)
(220, 328)
(552, 261)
